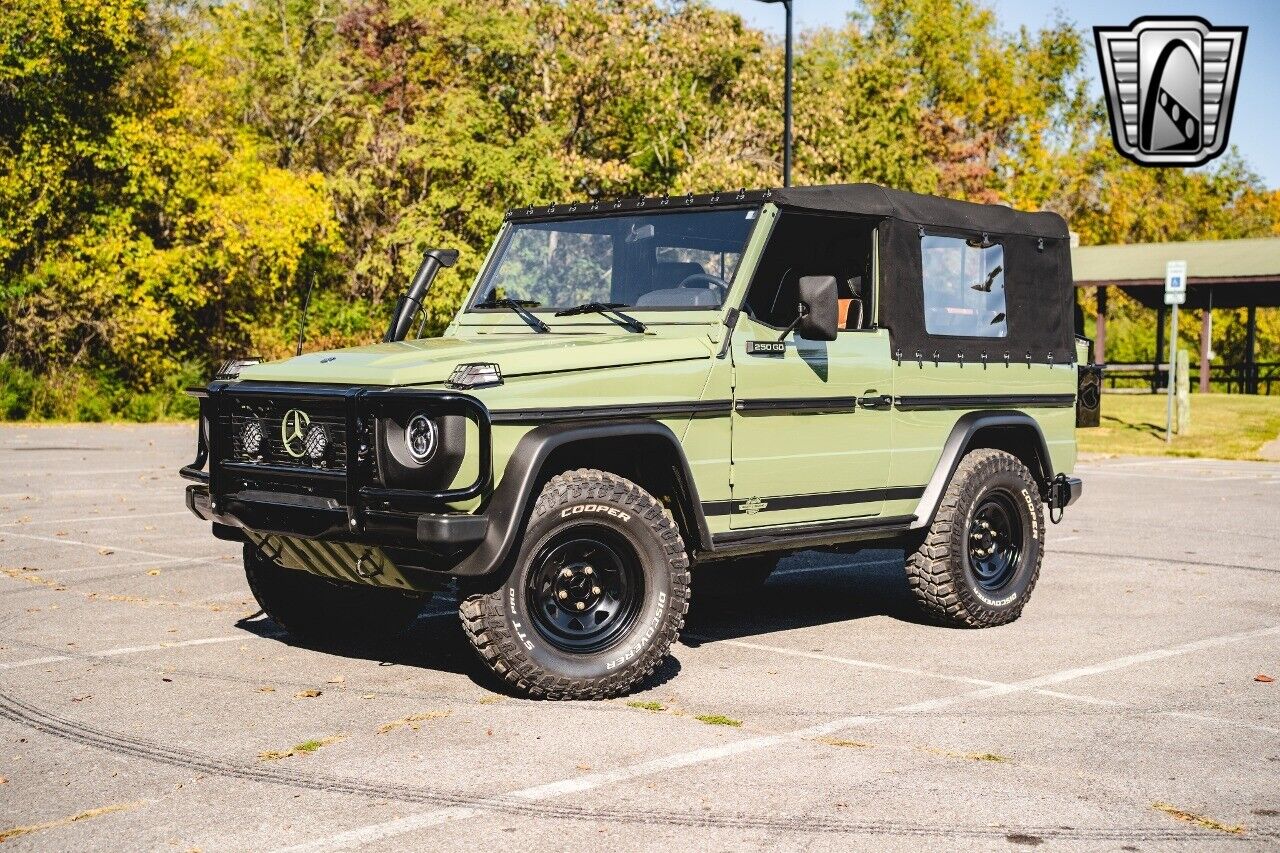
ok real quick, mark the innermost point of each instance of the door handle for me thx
(876, 401)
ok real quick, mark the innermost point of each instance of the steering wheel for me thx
(710, 282)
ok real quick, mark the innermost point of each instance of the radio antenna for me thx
(302, 321)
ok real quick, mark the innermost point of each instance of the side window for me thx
(810, 244)
(963, 288)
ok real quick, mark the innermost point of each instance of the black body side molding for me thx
(515, 494)
(968, 426)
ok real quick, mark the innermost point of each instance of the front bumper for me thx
(308, 517)
(339, 506)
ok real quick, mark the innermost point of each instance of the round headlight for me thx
(420, 437)
(316, 442)
(251, 437)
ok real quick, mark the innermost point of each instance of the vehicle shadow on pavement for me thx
(840, 588)
(435, 641)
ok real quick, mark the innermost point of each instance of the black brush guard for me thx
(367, 512)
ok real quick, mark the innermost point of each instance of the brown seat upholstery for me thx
(850, 314)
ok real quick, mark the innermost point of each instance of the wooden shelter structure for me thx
(1220, 274)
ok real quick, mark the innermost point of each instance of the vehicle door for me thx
(810, 425)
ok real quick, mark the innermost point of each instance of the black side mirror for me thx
(819, 311)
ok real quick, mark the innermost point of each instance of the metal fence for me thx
(1257, 378)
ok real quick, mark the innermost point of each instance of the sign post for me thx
(1175, 293)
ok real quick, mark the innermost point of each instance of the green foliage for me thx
(174, 176)
(81, 396)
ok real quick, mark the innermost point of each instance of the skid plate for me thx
(340, 561)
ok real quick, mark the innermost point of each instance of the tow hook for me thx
(1063, 491)
(367, 566)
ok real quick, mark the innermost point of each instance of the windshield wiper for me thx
(519, 306)
(606, 309)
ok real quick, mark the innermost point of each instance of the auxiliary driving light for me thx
(251, 438)
(316, 442)
(420, 437)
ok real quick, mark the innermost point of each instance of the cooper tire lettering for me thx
(608, 510)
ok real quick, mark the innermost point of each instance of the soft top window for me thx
(657, 261)
(964, 294)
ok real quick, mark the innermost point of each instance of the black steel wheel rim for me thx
(585, 588)
(995, 541)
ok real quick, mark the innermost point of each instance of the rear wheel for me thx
(981, 556)
(314, 608)
(595, 598)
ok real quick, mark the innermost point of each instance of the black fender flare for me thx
(966, 427)
(511, 501)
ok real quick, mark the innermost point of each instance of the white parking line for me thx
(42, 472)
(225, 560)
(86, 519)
(389, 829)
(66, 541)
(885, 667)
(1219, 721)
(126, 650)
(179, 644)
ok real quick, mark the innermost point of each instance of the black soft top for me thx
(874, 200)
(1036, 248)
(852, 199)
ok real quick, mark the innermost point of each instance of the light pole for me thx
(786, 108)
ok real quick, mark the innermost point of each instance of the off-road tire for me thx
(500, 623)
(939, 572)
(313, 608)
(729, 578)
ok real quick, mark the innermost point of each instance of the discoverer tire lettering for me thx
(941, 572)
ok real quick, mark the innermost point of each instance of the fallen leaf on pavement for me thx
(305, 748)
(306, 694)
(154, 572)
(105, 551)
(1198, 820)
(411, 721)
(1265, 679)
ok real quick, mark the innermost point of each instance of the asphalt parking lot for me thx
(145, 704)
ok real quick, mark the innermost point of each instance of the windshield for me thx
(656, 261)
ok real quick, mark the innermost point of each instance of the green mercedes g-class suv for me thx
(638, 389)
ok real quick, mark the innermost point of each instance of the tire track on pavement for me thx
(463, 805)
(544, 801)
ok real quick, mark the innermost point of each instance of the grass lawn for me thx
(1223, 426)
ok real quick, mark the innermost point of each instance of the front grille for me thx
(269, 414)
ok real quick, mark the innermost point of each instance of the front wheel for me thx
(595, 598)
(981, 556)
